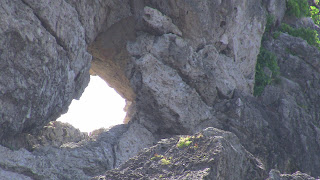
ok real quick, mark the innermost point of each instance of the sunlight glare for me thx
(99, 106)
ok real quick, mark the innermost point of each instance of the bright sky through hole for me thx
(99, 106)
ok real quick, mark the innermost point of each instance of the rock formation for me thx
(211, 154)
(182, 66)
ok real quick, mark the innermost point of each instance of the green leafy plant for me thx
(199, 136)
(269, 60)
(301, 8)
(276, 34)
(165, 161)
(298, 8)
(156, 156)
(269, 27)
(184, 142)
(310, 35)
(270, 22)
(314, 11)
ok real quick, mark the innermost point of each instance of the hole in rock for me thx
(100, 106)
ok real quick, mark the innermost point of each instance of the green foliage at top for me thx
(298, 8)
(310, 35)
(314, 11)
(269, 60)
(301, 8)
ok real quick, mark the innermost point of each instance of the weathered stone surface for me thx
(282, 126)
(212, 154)
(57, 133)
(131, 143)
(297, 102)
(54, 134)
(275, 175)
(96, 15)
(160, 22)
(199, 70)
(102, 151)
(44, 63)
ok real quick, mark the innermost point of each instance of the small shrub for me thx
(265, 59)
(310, 35)
(301, 8)
(196, 146)
(199, 136)
(165, 161)
(314, 11)
(270, 23)
(156, 156)
(276, 34)
(184, 142)
(298, 8)
(269, 27)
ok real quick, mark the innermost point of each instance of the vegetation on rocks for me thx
(315, 15)
(265, 60)
(301, 8)
(310, 35)
(165, 161)
(184, 142)
(298, 8)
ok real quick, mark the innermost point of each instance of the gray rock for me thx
(275, 175)
(44, 63)
(57, 133)
(211, 154)
(18, 176)
(102, 151)
(282, 126)
(131, 143)
(298, 104)
(96, 15)
(160, 22)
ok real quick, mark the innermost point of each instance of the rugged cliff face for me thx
(182, 66)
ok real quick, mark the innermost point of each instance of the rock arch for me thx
(162, 57)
